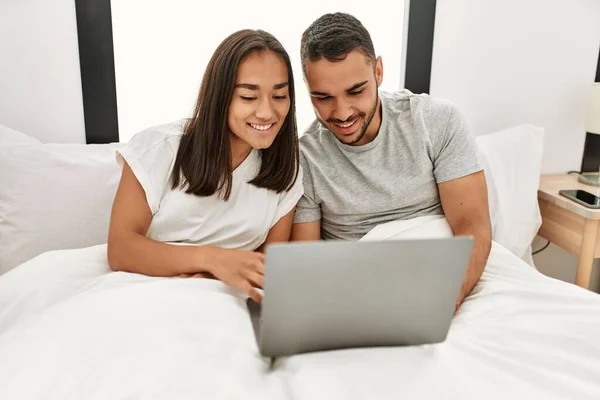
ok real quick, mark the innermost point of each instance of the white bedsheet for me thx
(72, 329)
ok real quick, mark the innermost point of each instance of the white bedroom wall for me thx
(40, 83)
(506, 62)
(161, 52)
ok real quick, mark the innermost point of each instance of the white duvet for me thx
(72, 329)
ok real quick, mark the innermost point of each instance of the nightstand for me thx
(569, 225)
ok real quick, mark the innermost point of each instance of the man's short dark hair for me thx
(333, 36)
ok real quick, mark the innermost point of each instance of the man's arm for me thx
(307, 220)
(306, 231)
(465, 204)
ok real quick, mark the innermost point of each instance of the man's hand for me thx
(461, 296)
(465, 204)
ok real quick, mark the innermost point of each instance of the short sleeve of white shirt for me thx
(151, 154)
(242, 222)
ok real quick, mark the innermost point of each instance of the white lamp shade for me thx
(592, 123)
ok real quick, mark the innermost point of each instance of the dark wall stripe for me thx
(419, 45)
(96, 59)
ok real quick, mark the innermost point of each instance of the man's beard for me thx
(366, 123)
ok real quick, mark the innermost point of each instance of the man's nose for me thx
(342, 110)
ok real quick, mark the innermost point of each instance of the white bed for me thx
(70, 328)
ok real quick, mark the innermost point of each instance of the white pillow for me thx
(512, 160)
(11, 136)
(54, 196)
(59, 196)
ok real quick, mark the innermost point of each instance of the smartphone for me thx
(582, 197)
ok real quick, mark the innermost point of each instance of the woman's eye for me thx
(280, 97)
(248, 98)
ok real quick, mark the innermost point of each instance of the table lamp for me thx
(592, 125)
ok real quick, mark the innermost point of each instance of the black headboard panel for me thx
(419, 45)
(96, 60)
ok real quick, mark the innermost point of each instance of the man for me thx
(372, 157)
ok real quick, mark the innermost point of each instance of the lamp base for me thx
(590, 178)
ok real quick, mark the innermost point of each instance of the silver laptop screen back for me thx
(327, 295)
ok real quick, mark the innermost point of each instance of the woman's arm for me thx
(130, 250)
(280, 232)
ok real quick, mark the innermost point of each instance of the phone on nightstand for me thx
(582, 197)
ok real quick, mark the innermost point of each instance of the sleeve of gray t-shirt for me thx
(307, 209)
(454, 151)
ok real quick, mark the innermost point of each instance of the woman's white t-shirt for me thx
(242, 222)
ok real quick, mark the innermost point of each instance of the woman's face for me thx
(260, 101)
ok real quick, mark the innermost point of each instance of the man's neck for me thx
(374, 125)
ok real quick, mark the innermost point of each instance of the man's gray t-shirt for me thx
(422, 141)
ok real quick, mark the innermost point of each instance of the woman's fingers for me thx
(250, 291)
(202, 275)
(258, 263)
(256, 279)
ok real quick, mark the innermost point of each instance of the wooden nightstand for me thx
(568, 224)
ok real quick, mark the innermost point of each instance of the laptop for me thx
(330, 295)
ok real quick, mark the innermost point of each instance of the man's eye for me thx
(355, 93)
(323, 98)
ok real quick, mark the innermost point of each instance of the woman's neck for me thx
(239, 151)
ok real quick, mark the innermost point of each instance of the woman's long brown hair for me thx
(203, 163)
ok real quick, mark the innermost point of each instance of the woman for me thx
(225, 182)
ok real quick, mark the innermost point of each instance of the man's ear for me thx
(379, 71)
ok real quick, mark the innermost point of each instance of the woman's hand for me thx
(242, 269)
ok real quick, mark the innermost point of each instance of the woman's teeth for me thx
(261, 127)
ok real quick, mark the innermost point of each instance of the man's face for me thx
(344, 96)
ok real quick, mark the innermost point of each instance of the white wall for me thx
(40, 82)
(511, 61)
(161, 52)
(506, 62)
